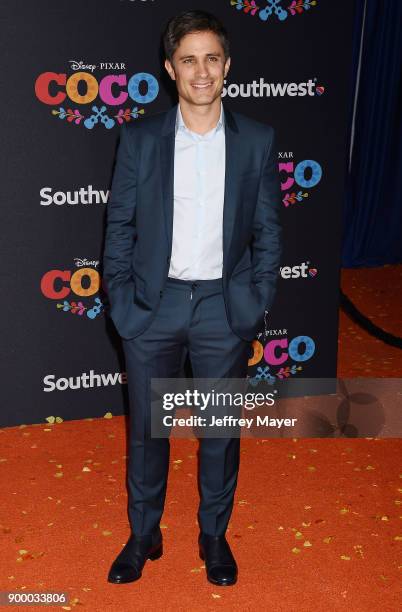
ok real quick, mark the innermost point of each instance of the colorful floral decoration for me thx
(263, 374)
(128, 114)
(291, 198)
(98, 115)
(72, 307)
(298, 6)
(79, 309)
(288, 371)
(69, 114)
(250, 7)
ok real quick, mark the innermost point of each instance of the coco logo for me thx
(276, 353)
(306, 174)
(82, 88)
(300, 271)
(85, 282)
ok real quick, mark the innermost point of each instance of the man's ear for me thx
(227, 66)
(170, 69)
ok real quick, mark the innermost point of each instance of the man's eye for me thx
(190, 60)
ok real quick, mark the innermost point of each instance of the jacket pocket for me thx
(139, 286)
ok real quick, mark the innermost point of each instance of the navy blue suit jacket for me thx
(140, 222)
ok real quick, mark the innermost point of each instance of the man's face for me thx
(198, 66)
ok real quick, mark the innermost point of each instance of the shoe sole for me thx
(153, 557)
(221, 583)
(217, 583)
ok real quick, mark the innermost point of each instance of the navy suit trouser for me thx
(191, 319)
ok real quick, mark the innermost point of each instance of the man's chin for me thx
(204, 99)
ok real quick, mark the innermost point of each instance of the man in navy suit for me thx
(192, 253)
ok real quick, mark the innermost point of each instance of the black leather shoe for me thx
(129, 564)
(219, 562)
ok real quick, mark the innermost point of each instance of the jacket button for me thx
(160, 293)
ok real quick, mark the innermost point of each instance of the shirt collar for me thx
(180, 125)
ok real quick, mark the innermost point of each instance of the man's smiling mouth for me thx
(201, 85)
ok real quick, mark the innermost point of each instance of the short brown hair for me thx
(188, 22)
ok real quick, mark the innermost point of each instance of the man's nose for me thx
(202, 69)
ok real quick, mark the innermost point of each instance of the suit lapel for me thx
(232, 165)
(167, 146)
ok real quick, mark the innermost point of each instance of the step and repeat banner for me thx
(72, 74)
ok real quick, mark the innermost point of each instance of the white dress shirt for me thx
(199, 186)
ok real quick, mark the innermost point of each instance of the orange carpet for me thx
(377, 293)
(316, 524)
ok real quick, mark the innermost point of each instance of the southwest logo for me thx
(300, 271)
(258, 88)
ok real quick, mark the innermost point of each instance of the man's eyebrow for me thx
(218, 54)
